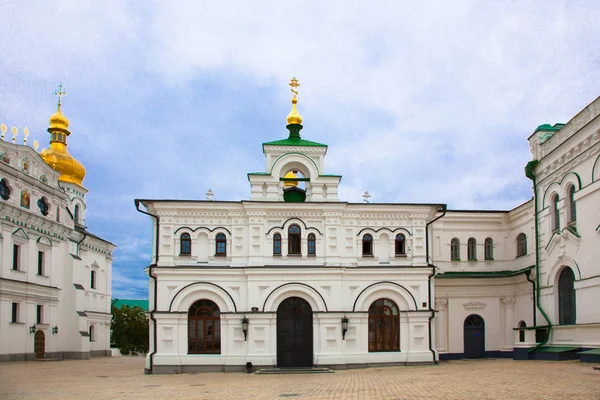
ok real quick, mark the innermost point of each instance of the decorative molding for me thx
(474, 305)
(508, 301)
(441, 303)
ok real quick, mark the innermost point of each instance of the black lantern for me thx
(344, 327)
(55, 330)
(32, 329)
(245, 323)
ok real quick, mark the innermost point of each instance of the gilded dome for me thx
(290, 175)
(59, 121)
(58, 157)
(294, 118)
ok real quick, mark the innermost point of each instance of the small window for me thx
(92, 333)
(555, 213)
(400, 245)
(489, 249)
(472, 249)
(185, 245)
(43, 206)
(15, 313)
(312, 250)
(221, 245)
(521, 245)
(572, 210)
(76, 214)
(277, 244)
(16, 257)
(367, 245)
(41, 261)
(522, 324)
(38, 314)
(455, 249)
(57, 214)
(93, 279)
(294, 239)
(4, 190)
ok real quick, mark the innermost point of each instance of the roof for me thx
(130, 303)
(294, 141)
(90, 234)
(482, 274)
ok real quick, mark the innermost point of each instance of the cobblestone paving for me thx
(123, 378)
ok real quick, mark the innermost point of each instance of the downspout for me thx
(528, 276)
(431, 310)
(531, 175)
(150, 267)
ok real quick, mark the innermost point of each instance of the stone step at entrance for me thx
(294, 371)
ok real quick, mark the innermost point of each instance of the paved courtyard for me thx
(123, 378)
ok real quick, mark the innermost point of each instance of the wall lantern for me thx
(245, 323)
(55, 330)
(32, 329)
(344, 327)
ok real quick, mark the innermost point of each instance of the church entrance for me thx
(474, 336)
(39, 344)
(294, 334)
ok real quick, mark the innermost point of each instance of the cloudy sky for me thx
(425, 103)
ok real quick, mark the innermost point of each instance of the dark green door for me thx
(474, 336)
(294, 334)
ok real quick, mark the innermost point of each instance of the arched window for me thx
(204, 328)
(367, 245)
(455, 249)
(522, 324)
(521, 245)
(76, 214)
(92, 334)
(488, 249)
(93, 279)
(221, 245)
(312, 248)
(555, 213)
(277, 244)
(472, 249)
(4, 189)
(43, 205)
(185, 245)
(572, 210)
(400, 245)
(566, 297)
(294, 239)
(384, 326)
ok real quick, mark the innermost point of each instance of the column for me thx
(441, 317)
(509, 311)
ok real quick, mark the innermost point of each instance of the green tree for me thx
(129, 330)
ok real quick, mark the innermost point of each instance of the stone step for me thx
(49, 359)
(294, 371)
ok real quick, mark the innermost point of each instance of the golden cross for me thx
(294, 84)
(60, 94)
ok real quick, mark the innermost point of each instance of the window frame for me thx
(220, 245)
(367, 245)
(383, 325)
(277, 244)
(311, 244)
(5, 190)
(572, 207)
(555, 212)
(294, 240)
(16, 258)
(210, 313)
(185, 239)
(521, 244)
(400, 245)
(567, 297)
(488, 249)
(92, 333)
(455, 249)
(14, 318)
(93, 279)
(39, 314)
(41, 263)
(472, 249)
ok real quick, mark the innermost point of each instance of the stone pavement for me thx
(123, 378)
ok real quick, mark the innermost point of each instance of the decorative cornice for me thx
(474, 305)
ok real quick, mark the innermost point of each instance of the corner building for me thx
(295, 278)
(55, 275)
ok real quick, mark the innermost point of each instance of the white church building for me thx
(55, 275)
(294, 277)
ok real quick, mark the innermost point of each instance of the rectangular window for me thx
(93, 279)
(39, 313)
(40, 270)
(16, 257)
(15, 312)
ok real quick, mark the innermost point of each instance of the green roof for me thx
(482, 274)
(294, 141)
(130, 303)
(548, 127)
(593, 351)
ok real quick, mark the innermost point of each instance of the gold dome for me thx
(294, 118)
(290, 175)
(57, 156)
(59, 121)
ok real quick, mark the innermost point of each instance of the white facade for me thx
(246, 260)
(48, 306)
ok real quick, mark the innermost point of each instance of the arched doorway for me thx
(294, 333)
(39, 344)
(474, 336)
(566, 297)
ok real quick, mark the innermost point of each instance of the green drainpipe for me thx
(531, 175)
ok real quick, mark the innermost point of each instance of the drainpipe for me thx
(531, 175)
(528, 276)
(431, 310)
(150, 268)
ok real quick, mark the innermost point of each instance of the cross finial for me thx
(209, 195)
(60, 93)
(366, 197)
(294, 84)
